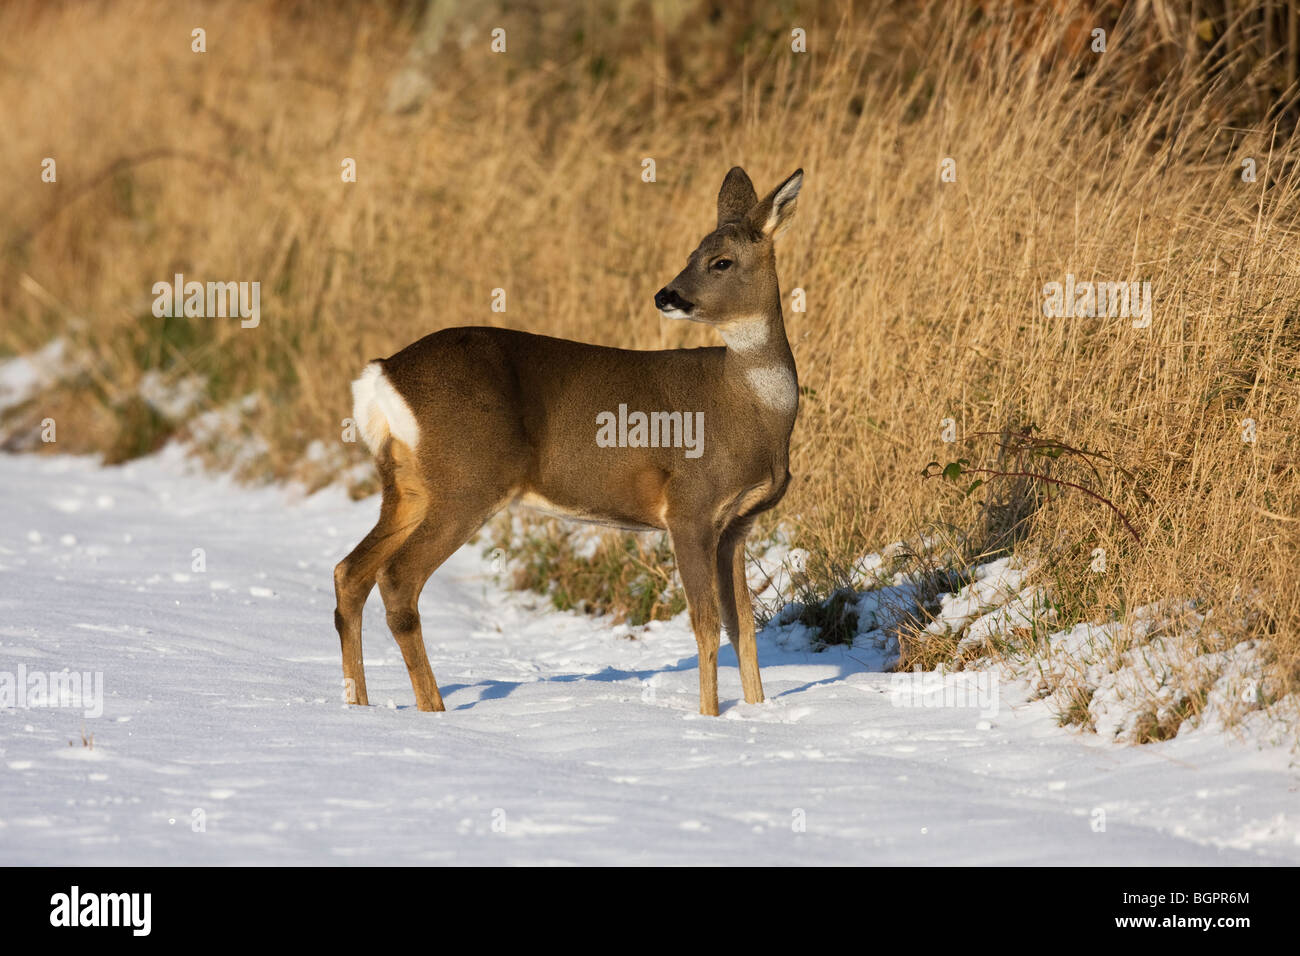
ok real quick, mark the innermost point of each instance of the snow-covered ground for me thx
(206, 608)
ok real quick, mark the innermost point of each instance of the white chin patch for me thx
(674, 314)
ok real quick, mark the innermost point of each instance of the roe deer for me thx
(468, 420)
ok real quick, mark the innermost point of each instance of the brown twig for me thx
(994, 473)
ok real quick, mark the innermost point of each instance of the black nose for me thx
(666, 299)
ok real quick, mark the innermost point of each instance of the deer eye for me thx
(721, 265)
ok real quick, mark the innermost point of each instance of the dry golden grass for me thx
(523, 171)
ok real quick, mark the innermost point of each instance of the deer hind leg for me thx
(738, 609)
(697, 563)
(403, 578)
(403, 509)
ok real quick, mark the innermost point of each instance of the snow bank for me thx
(206, 608)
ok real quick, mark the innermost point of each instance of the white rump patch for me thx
(380, 411)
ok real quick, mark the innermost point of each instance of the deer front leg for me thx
(697, 563)
(738, 610)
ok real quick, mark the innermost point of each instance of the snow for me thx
(207, 610)
(24, 375)
(172, 399)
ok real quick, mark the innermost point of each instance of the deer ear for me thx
(736, 198)
(772, 215)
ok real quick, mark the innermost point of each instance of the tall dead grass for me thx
(522, 171)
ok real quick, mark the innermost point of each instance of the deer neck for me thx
(760, 363)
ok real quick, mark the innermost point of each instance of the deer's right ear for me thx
(736, 197)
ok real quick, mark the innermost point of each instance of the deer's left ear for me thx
(773, 213)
